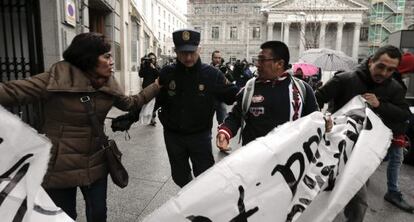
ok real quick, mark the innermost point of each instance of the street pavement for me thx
(150, 183)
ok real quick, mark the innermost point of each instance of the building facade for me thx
(238, 27)
(163, 17)
(35, 34)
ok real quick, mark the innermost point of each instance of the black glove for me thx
(124, 122)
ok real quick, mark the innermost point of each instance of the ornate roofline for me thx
(270, 7)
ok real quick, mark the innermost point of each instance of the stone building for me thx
(238, 27)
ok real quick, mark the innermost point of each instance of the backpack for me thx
(248, 94)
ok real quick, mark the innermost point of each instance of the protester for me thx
(276, 98)
(219, 107)
(241, 73)
(299, 74)
(372, 79)
(187, 107)
(149, 71)
(76, 158)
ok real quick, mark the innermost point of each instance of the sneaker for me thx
(396, 199)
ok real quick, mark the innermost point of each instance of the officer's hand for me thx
(222, 142)
(372, 99)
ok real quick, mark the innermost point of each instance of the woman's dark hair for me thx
(85, 49)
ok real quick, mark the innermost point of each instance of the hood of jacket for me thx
(65, 77)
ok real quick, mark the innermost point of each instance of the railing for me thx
(21, 49)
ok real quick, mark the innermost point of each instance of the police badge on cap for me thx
(186, 40)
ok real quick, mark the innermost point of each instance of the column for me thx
(340, 27)
(286, 33)
(322, 35)
(355, 46)
(206, 32)
(302, 40)
(270, 31)
(223, 34)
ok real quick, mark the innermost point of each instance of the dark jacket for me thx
(393, 109)
(270, 107)
(76, 158)
(148, 74)
(188, 95)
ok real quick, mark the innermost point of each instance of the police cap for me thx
(186, 40)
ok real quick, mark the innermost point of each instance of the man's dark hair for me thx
(279, 51)
(152, 54)
(392, 51)
(85, 49)
(216, 51)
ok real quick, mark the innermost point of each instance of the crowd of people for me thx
(188, 93)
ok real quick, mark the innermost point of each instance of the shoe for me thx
(396, 199)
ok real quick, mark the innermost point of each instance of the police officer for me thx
(187, 98)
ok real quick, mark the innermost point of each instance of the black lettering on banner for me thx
(287, 173)
(198, 219)
(41, 210)
(241, 217)
(307, 145)
(21, 211)
(1, 140)
(297, 208)
(15, 166)
(368, 126)
(13, 182)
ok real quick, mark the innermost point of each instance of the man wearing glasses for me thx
(373, 80)
(275, 99)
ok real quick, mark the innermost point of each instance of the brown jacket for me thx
(76, 159)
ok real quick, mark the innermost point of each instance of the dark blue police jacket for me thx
(188, 95)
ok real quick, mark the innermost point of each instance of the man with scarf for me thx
(190, 89)
(373, 80)
(275, 100)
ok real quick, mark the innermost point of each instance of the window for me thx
(233, 32)
(364, 34)
(215, 33)
(159, 23)
(256, 32)
(197, 10)
(234, 9)
(215, 10)
(197, 28)
(256, 10)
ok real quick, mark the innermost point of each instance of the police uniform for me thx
(187, 108)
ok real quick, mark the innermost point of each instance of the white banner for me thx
(295, 173)
(23, 163)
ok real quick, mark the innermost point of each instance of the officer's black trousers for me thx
(181, 148)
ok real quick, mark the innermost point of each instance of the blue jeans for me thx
(395, 157)
(94, 195)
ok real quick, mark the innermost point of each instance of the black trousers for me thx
(182, 148)
(94, 195)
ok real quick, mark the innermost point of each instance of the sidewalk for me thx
(151, 185)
